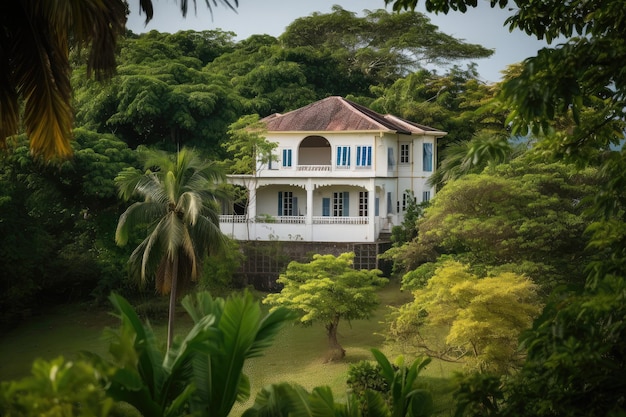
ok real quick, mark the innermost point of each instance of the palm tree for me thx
(180, 207)
(35, 40)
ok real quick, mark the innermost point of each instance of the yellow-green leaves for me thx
(480, 319)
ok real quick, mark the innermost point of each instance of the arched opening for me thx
(314, 151)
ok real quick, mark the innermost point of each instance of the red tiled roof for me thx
(338, 114)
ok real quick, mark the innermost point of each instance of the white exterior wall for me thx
(311, 182)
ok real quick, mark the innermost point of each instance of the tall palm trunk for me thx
(173, 295)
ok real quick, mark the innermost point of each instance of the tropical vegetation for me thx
(328, 289)
(179, 208)
(546, 217)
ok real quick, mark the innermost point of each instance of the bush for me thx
(365, 375)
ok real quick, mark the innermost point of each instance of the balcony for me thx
(339, 220)
(291, 228)
(235, 218)
(314, 168)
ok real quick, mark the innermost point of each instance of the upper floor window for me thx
(405, 153)
(391, 159)
(287, 153)
(343, 156)
(428, 157)
(363, 156)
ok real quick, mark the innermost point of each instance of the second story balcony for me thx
(314, 168)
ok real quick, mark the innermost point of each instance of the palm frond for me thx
(95, 24)
(190, 257)
(280, 400)
(172, 232)
(154, 251)
(126, 182)
(137, 214)
(191, 205)
(42, 80)
(322, 402)
(149, 359)
(9, 107)
(152, 188)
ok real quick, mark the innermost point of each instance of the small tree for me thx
(328, 289)
(249, 151)
(463, 318)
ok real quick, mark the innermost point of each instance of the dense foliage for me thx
(200, 89)
(526, 216)
(571, 96)
(56, 220)
(180, 198)
(35, 67)
(327, 290)
(201, 374)
(464, 318)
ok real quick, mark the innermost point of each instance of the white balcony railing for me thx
(231, 218)
(314, 167)
(339, 220)
(280, 219)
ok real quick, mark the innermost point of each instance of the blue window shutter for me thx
(286, 157)
(347, 159)
(338, 155)
(369, 156)
(376, 207)
(280, 203)
(325, 206)
(346, 203)
(358, 156)
(294, 202)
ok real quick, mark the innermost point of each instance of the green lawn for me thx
(296, 356)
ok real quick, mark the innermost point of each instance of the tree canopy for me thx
(327, 290)
(526, 216)
(459, 316)
(571, 98)
(35, 43)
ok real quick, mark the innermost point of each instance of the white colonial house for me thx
(342, 173)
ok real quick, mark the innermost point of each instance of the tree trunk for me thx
(335, 351)
(172, 309)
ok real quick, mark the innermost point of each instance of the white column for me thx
(371, 210)
(309, 210)
(252, 200)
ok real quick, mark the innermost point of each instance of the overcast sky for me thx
(483, 25)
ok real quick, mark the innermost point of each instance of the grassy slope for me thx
(296, 356)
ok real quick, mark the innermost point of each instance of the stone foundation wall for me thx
(265, 261)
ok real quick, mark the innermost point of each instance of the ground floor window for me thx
(363, 203)
(426, 196)
(287, 204)
(341, 204)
